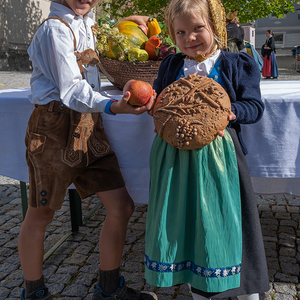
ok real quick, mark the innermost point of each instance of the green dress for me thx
(193, 229)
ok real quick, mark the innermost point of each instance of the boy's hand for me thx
(140, 20)
(122, 106)
(150, 111)
(231, 117)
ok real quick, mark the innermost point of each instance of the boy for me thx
(66, 144)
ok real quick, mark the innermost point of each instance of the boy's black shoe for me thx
(39, 294)
(123, 293)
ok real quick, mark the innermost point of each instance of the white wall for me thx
(21, 19)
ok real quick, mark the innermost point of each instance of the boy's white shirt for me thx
(55, 71)
(203, 68)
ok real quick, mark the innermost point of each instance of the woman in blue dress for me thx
(270, 68)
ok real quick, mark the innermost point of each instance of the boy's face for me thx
(80, 7)
(193, 35)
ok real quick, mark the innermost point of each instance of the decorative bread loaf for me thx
(189, 112)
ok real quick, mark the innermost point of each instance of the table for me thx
(273, 142)
(130, 137)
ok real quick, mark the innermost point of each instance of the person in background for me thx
(66, 144)
(270, 68)
(242, 47)
(235, 33)
(202, 224)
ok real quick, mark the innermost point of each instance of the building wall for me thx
(19, 20)
(287, 27)
(249, 34)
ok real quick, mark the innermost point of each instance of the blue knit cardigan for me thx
(241, 77)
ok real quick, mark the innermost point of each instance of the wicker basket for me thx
(119, 72)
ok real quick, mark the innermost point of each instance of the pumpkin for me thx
(136, 37)
(114, 52)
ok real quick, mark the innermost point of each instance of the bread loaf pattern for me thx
(189, 112)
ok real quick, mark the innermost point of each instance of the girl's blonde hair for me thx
(177, 8)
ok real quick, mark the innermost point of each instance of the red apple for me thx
(140, 92)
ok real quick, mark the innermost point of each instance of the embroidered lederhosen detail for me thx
(82, 136)
(36, 143)
(80, 127)
(99, 145)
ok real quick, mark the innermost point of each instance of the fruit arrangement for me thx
(127, 41)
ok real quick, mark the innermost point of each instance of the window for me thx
(279, 38)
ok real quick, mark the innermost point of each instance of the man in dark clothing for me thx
(235, 33)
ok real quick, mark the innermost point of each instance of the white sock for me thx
(249, 297)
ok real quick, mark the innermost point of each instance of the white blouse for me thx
(203, 68)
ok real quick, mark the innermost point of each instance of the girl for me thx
(66, 143)
(270, 68)
(202, 222)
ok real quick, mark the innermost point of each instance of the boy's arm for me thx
(140, 20)
(52, 52)
(58, 75)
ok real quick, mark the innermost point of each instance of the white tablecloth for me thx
(273, 142)
(130, 137)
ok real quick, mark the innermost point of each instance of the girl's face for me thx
(193, 35)
(267, 34)
(80, 7)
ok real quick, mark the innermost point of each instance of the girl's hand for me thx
(122, 106)
(231, 117)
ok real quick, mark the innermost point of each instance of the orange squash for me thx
(136, 37)
(152, 47)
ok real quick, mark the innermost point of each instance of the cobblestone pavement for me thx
(72, 268)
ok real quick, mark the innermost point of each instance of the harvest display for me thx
(189, 113)
(127, 41)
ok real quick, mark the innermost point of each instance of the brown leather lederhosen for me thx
(65, 146)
